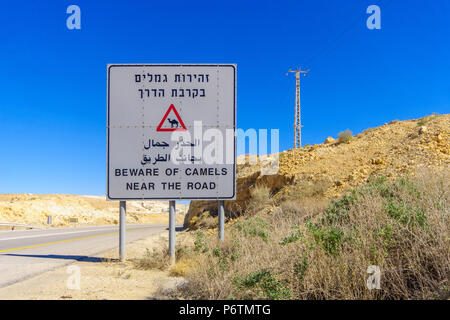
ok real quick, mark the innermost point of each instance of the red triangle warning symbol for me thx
(170, 124)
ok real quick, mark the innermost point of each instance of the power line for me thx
(321, 52)
(334, 43)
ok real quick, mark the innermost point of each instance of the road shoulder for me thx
(99, 280)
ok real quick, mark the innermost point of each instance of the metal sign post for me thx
(172, 231)
(122, 228)
(221, 207)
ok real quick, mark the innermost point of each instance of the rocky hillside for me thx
(394, 149)
(33, 209)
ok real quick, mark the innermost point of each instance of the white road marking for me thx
(131, 227)
(49, 235)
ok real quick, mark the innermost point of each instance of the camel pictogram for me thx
(173, 122)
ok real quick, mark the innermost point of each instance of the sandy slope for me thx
(391, 150)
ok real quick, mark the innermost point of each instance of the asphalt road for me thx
(24, 254)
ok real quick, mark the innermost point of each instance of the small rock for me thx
(329, 140)
(377, 161)
(423, 129)
(170, 287)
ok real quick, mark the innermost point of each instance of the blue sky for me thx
(53, 83)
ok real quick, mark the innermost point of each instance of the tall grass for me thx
(299, 250)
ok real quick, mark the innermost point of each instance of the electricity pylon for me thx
(298, 122)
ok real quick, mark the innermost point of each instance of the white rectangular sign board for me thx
(171, 131)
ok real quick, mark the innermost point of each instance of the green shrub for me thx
(345, 136)
(337, 211)
(293, 237)
(253, 227)
(199, 242)
(226, 255)
(263, 285)
(330, 239)
(426, 119)
(300, 269)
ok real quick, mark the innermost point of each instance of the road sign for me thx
(171, 131)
